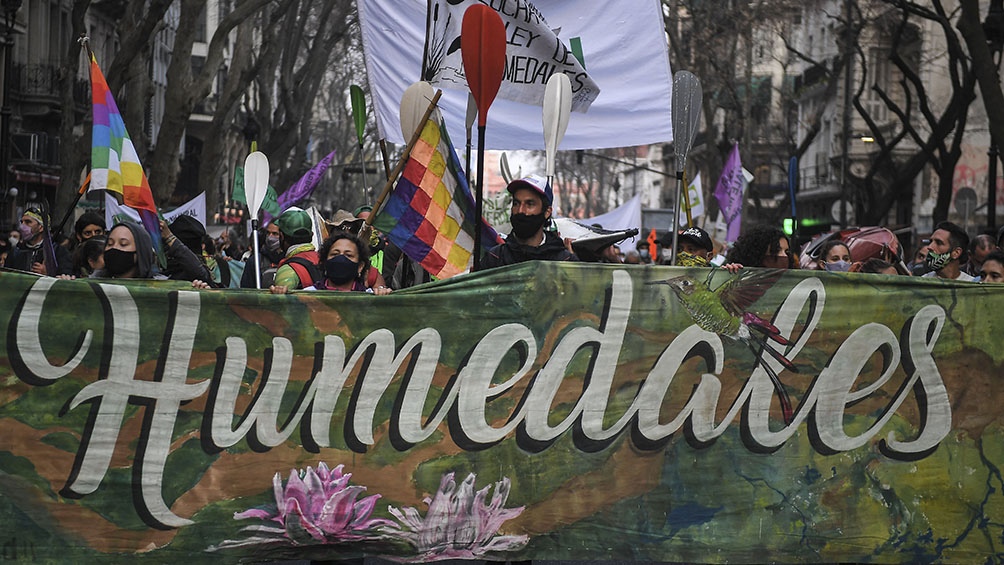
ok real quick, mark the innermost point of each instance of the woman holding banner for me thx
(345, 262)
(128, 254)
(763, 246)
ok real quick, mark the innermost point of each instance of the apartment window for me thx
(880, 71)
(197, 63)
(200, 26)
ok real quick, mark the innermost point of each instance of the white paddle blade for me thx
(557, 109)
(255, 181)
(687, 98)
(472, 112)
(415, 100)
(504, 168)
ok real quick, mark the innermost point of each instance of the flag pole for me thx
(404, 157)
(69, 211)
(686, 201)
(48, 245)
(386, 158)
(84, 42)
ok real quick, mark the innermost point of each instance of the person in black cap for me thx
(693, 247)
(531, 210)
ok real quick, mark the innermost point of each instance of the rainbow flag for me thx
(115, 166)
(430, 214)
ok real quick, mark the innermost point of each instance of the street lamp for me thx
(10, 8)
(993, 28)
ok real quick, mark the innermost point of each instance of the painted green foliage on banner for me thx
(540, 412)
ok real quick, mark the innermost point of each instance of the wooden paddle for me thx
(557, 109)
(482, 47)
(255, 186)
(687, 97)
(69, 211)
(504, 168)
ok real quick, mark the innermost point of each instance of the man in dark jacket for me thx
(183, 246)
(531, 211)
(29, 255)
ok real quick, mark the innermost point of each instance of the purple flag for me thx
(303, 187)
(729, 193)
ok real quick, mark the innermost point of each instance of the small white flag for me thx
(696, 195)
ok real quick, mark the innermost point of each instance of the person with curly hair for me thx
(763, 246)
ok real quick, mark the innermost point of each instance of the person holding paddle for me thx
(300, 266)
(531, 211)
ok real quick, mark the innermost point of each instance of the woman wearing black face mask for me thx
(128, 253)
(345, 260)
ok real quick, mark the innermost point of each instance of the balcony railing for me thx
(813, 178)
(35, 148)
(36, 81)
(41, 83)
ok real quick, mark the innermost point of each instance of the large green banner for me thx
(546, 411)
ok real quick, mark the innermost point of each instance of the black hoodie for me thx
(512, 252)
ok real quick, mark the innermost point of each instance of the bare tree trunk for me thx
(72, 149)
(986, 71)
(239, 76)
(184, 90)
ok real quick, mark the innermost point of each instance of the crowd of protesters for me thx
(946, 253)
(300, 252)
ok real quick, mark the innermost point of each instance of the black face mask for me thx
(340, 269)
(118, 262)
(525, 226)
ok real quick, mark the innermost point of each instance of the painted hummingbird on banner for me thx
(722, 310)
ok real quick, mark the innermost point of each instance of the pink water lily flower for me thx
(317, 507)
(459, 523)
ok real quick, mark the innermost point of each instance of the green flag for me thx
(237, 194)
(271, 202)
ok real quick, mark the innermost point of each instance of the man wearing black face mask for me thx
(531, 210)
